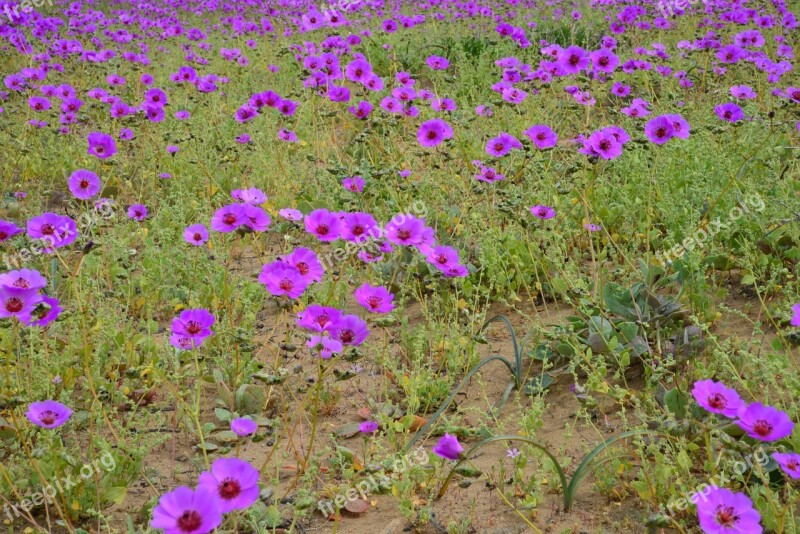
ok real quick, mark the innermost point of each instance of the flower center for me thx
(432, 134)
(14, 305)
(193, 327)
(197, 237)
(229, 489)
(762, 428)
(189, 521)
(403, 234)
(322, 229)
(726, 516)
(48, 229)
(346, 336)
(302, 267)
(358, 230)
(48, 418)
(286, 284)
(21, 282)
(661, 132)
(229, 218)
(374, 301)
(717, 401)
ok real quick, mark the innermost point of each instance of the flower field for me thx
(384, 266)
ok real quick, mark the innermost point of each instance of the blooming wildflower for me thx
(196, 235)
(764, 423)
(368, 427)
(187, 511)
(137, 212)
(48, 414)
(715, 397)
(376, 299)
(543, 212)
(722, 511)
(242, 426)
(84, 184)
(448, 447)
(434, 132)
(234, 481)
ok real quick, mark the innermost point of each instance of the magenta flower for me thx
(8, 230)
(376, 299)
(101, 145)
(743, 92)
(242, 426)
(291, 214)
(680, 126)
(722, 511)
(195, 324)
(325, 346)
(55, 230)
(502, 144)
(23, 279)
(46, 312)
(572, 60)
(541, 136)
(84, 184)
(318, 318)
(543, 212)
(659, 130)
(234, 481)
(603, 144)
(433, 132)
(715, 397)
(350, 330)
(307, 264)
(795, 314)
(228, 218)
(359, 226)
(137, 212)
(355, 184)
(437, 62)
(282, 279)
(764, 423)
(48, 414)
(184, 511)
(253, 196)
(255, 218)
(323, 224)
(789, 462)
(17, 302)
(368, 427)
(196, 235)
(729, 112)
(405, 229)
(448, 447)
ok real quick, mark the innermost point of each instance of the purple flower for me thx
(101, 145)
(196, 235)
(43, 316)
(23, 279)
(376, 299)
(195, 324)
(743, 92)
(325, 346)
(184, 511)
(680, 126)
(17, 302)
(358, 227)
(249, 196)
(433, 132)
(350, 330)
(291, 214)
(48, 414)
(729, 112)
(715, 397)
(234, 481)
(84, 184)
(437, 62)
(55, 230)
(228, 218)
(8, 230)
(255, 218)
(722, 511)
(502, 144)
(572, 60)
(282, 279)
(448, 447)
(543, 212)
(592, 227)
(307, 263)
(368, 427)
(659, 130)
(764, 423)
(137, 212)
(541, 136)
(318, 318)
(323, 224)
(405, 229)
(242, 426)
(604, 144)
(287, 135)
(795, 309)
(354, 183)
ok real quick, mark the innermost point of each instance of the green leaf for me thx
(676, 402)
